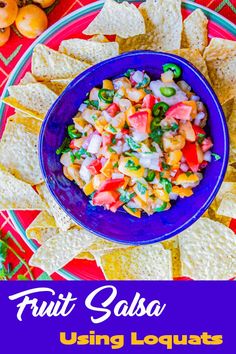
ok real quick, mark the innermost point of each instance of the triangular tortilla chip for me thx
(220, 57)
(230, 175)
(208, 251)
(28, 78)
(63, 221)
(227, 205)
(19, 153)
(122, 19)
(60, 249)
(195, 33)
(42, 227)
(173, 246)
(195, 58)
(90, 51)
(12, 102)
(150, 262)
(17, 195)
(99, 38)
(35, 97)
(48, 64)
(32, 125)
(59, 85)
(163, 21)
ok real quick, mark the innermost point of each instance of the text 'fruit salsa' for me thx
(138, 143)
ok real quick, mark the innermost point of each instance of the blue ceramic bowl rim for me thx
(224, 159)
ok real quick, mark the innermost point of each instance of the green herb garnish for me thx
(141, 188)
(132, 143)
(216, 156)
(167, 185)
(64, 147)
(131, 166)
(125, 196)
(93, 103)
(165, 166)
(112, 129)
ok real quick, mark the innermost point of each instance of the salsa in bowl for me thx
(138, 143)
(134, 136)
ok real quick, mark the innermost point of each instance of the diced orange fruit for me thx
(162, 195)
(88, 188)
(174, 157)
(193, 104)
(175, 143)
(130, 172)
(134, 94)
(97, 180)
(184, 178)
(136, 213)
(107, 84)
(182, 192)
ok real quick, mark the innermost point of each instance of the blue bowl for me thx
(120, 226)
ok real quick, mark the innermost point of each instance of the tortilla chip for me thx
(150, 262)
(42, 228)
(163, 21)
(208, 251)
(230, 174)
(85, 255)
(220, 57)
(48, 64)
(32, 125)
(28, 78)
(90, 51)
(63, 221)
(12, 102)
(195, 58)
(227, 205)
(173, 246)
(99, 38)
(19, 153)
(16, 194)
(33, 97)
(228, 107)
(195, 33)
(59, 250)
(122, 19)
(59, 85)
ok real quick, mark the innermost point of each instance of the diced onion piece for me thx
(117, 149)
(184, 167)
(121, 82)
(95, 144)
(65, 159)
(132, 204)
(173, 196)
(199, 117)
(82, 107)
(183, 85)
(107, 116)
(84, 172)
(124, 104)
(139, 136)
(117, 175)
(125, 147)
(195, 98)
(207, 156)
(137, 76)
(167, 76)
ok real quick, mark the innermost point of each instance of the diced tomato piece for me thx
(115, 206)
(206, 144)
(113, 109)
(106, 139)
(111, 184)
(125, 131)
(139, 121)
(179, 111)
(199, 132)
(191, 155)
(203, 165)
(105, 198)
(94, 167)
(72, 144)
(149, 101)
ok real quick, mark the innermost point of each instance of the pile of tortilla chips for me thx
(206, 250)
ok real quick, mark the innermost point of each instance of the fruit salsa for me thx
(138, 144)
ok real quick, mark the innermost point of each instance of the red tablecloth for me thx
(9, 56)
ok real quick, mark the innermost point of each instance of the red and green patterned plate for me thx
(69, 27)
